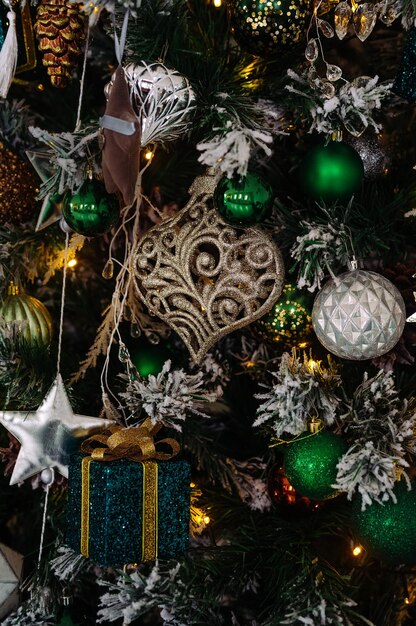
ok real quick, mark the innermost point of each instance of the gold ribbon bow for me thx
(136, 444)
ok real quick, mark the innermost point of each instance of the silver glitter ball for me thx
(373, 155)
(359, 315)
(162, 98)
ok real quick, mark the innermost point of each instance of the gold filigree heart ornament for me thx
(203, 277)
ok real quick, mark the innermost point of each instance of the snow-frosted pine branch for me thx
(299, 393)
(168, 397)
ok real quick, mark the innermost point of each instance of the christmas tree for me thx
(207, 345)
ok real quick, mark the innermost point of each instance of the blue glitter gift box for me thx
(122, 511)
(405, 82)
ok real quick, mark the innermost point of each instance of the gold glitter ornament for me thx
(265, 27)
(18, 189)
(203, 277)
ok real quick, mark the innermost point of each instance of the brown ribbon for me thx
(136, 444)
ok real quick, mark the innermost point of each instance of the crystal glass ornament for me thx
(390, 13)
(326, 88)
(359, 315)
(311, 51)
(333, 72)
(355, 125)
(364, 20)
(108, 270)
(342, 16)
(326, 29)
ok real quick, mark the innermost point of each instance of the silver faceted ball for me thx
(360, 315)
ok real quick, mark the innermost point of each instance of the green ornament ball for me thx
(149, 358)
(332, 172)
(289, 322)
(66, 620)
(310, 463)
(265, 28)
(18, 306)
(388, 531)
(245, 201)
(91, 210)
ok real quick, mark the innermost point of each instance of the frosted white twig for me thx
(168, 397)
(351, 107)
(232, 150)
(299, 393)
(68, 155)
(68, 564)
(382, 427)
(319, 249)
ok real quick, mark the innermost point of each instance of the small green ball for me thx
(311, 463)
(243, 201)
(388, 531)
(91, 211)
(149, 359)
(289, 322)
(332, 172)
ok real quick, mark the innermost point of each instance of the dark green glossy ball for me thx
(243, 201)
(91, 211)
(388, 531)
(265, 28)
(149, 358)
(332, 172)
(311, 463)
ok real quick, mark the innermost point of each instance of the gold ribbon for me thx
(134, 444)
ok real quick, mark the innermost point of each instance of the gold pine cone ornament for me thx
(60, 30)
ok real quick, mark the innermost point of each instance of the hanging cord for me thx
(51, 478)
(82, 82)
(120, 43)
(61, 320)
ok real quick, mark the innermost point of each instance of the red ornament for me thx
(284, 497)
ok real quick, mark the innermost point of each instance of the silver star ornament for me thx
(49, 435)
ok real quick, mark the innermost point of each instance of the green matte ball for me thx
(149, 358)
(332, 172)
(311, 463)
(91, 210)
(388, 531)
(243, 201)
